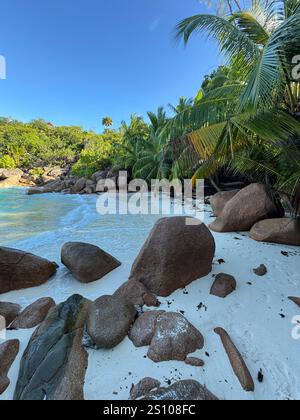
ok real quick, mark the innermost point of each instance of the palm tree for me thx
(107, 122)
(184, 104)
(228, 122)
(152, 162)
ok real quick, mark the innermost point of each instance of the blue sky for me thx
(75, 61)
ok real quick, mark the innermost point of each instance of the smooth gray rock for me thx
(54, 363)
(109, 321)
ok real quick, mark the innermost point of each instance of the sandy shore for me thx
(258, 317)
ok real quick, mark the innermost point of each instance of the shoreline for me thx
(258, 315)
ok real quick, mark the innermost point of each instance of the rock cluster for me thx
(63, 181)
(14, 178)
(249, 206)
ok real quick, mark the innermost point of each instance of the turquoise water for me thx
(43, 223)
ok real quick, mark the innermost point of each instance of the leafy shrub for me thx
(7, 162)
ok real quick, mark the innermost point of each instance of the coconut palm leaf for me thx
(213, 108)
(232, 42)
(270, 76)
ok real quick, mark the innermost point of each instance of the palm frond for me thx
(232, 42)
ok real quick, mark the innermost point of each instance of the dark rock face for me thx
(280, 231)
(54, 364)
(109, 321)
(261, 270)
(219, 201)
(21, 270)
(174, 338)
(9, 311)
(249, 206)
(87, 262)
(237, 362)
(33, 315)
(174, 255)
(145, 386)
(181, 391)
(136, 293)
(223, 286)
(8, 353)
(143, 329)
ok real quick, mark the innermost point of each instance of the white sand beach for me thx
(258, 315)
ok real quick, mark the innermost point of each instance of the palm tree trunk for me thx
(229, 7)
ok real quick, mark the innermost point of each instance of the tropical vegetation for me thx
(246, 117)
(244, 120)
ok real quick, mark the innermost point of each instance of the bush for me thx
(99, 153)
(7, 162)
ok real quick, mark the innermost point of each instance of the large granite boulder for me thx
(281, 231)
(187, 390)
(109, 321)
(219, 201)
(143, 329)
(136, 293)
(33, 315)
(249, 206)
(54, 363)
(9, 311)
(8, 353)
(21, 270)
(174, 338)
(87, 262)
(175, 254)
(144, 387)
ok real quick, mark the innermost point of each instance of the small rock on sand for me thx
(223, 286)
(261, 270)
(194, 361)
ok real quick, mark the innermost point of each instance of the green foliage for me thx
(40, 144)
(134, 135)
(7, 162)
(98, 154)
(36, 172)
(244, 117)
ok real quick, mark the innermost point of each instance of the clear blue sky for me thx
(75, 61)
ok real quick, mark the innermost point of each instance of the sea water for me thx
(41, 224)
